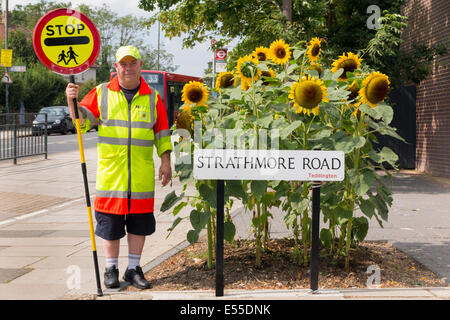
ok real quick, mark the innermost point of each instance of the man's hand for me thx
(165, 171)
(72, 93)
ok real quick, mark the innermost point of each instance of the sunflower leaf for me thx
(292, 68)
(386, 112)
(337, 74)
(298, 53)
(313, 73)
(263, 67)
(373, 112)
(285, 132)
(327, 75)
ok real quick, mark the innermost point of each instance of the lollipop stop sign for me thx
(66, 41)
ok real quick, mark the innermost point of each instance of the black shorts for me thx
(112, 226)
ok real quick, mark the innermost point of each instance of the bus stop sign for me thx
(66, 41)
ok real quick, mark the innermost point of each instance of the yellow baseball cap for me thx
(131, 51)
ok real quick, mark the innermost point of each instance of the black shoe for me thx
(136, 278)
(111, 277)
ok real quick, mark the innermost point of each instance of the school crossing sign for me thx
(66, 41)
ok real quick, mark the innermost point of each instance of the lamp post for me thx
(157, 60)
(6, 47)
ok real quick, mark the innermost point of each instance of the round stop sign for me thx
(221, 54)
(66, 41)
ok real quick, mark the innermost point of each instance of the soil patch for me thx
(187, 270)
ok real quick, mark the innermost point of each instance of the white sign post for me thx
(289, 165)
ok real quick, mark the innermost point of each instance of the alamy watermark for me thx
(373, 21)
(374, 279)
(73, 281)
(214, 138)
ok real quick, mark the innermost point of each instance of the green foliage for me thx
(37, 88)
(342, 23)
(114, 30)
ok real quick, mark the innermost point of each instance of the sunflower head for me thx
(306, 94)
(194, 92)
(225, 80)
(185, 119)
(245, 84)
(314, 49)
(269, 74)
(246, 67)
(349, 62)
(354, 90)
(261, 53)
(374, 88)
(279, 52)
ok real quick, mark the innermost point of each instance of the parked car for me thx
(58, 120)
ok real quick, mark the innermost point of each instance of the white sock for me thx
(133, 260)
(112, 262)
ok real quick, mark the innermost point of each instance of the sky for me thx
(190, 61)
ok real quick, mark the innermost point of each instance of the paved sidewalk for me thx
(45, 252)
(45, 248)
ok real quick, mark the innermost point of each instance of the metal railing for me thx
(19, 137)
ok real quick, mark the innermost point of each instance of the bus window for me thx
(156, 81)
(174, 103)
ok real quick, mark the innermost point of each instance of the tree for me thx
(114, 31)
(341, 23)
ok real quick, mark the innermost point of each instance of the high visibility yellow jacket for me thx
(126, 136)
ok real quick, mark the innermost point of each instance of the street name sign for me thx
(18, 68)
(66, 41)
(289, 165)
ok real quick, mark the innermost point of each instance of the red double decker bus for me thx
(169, 86)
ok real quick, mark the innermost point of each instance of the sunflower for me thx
(354, 90)
(307, 93)
(279, 52)
(349, 63)
(246, 66)
(245, 84)
(194, 92)
(225, 80)
(269, 74)
(374, 89)
(313, 49)
(261, 53)
(185, 119)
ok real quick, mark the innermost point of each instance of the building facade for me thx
(429, 23)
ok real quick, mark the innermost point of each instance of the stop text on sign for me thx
(289, 165)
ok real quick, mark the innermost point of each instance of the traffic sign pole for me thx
(219, 237)
(315, 225)
(86, 191)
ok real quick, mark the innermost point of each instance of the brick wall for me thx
(429, 23)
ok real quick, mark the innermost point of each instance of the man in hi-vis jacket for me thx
(131, 119)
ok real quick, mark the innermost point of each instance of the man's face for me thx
(129, 70)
